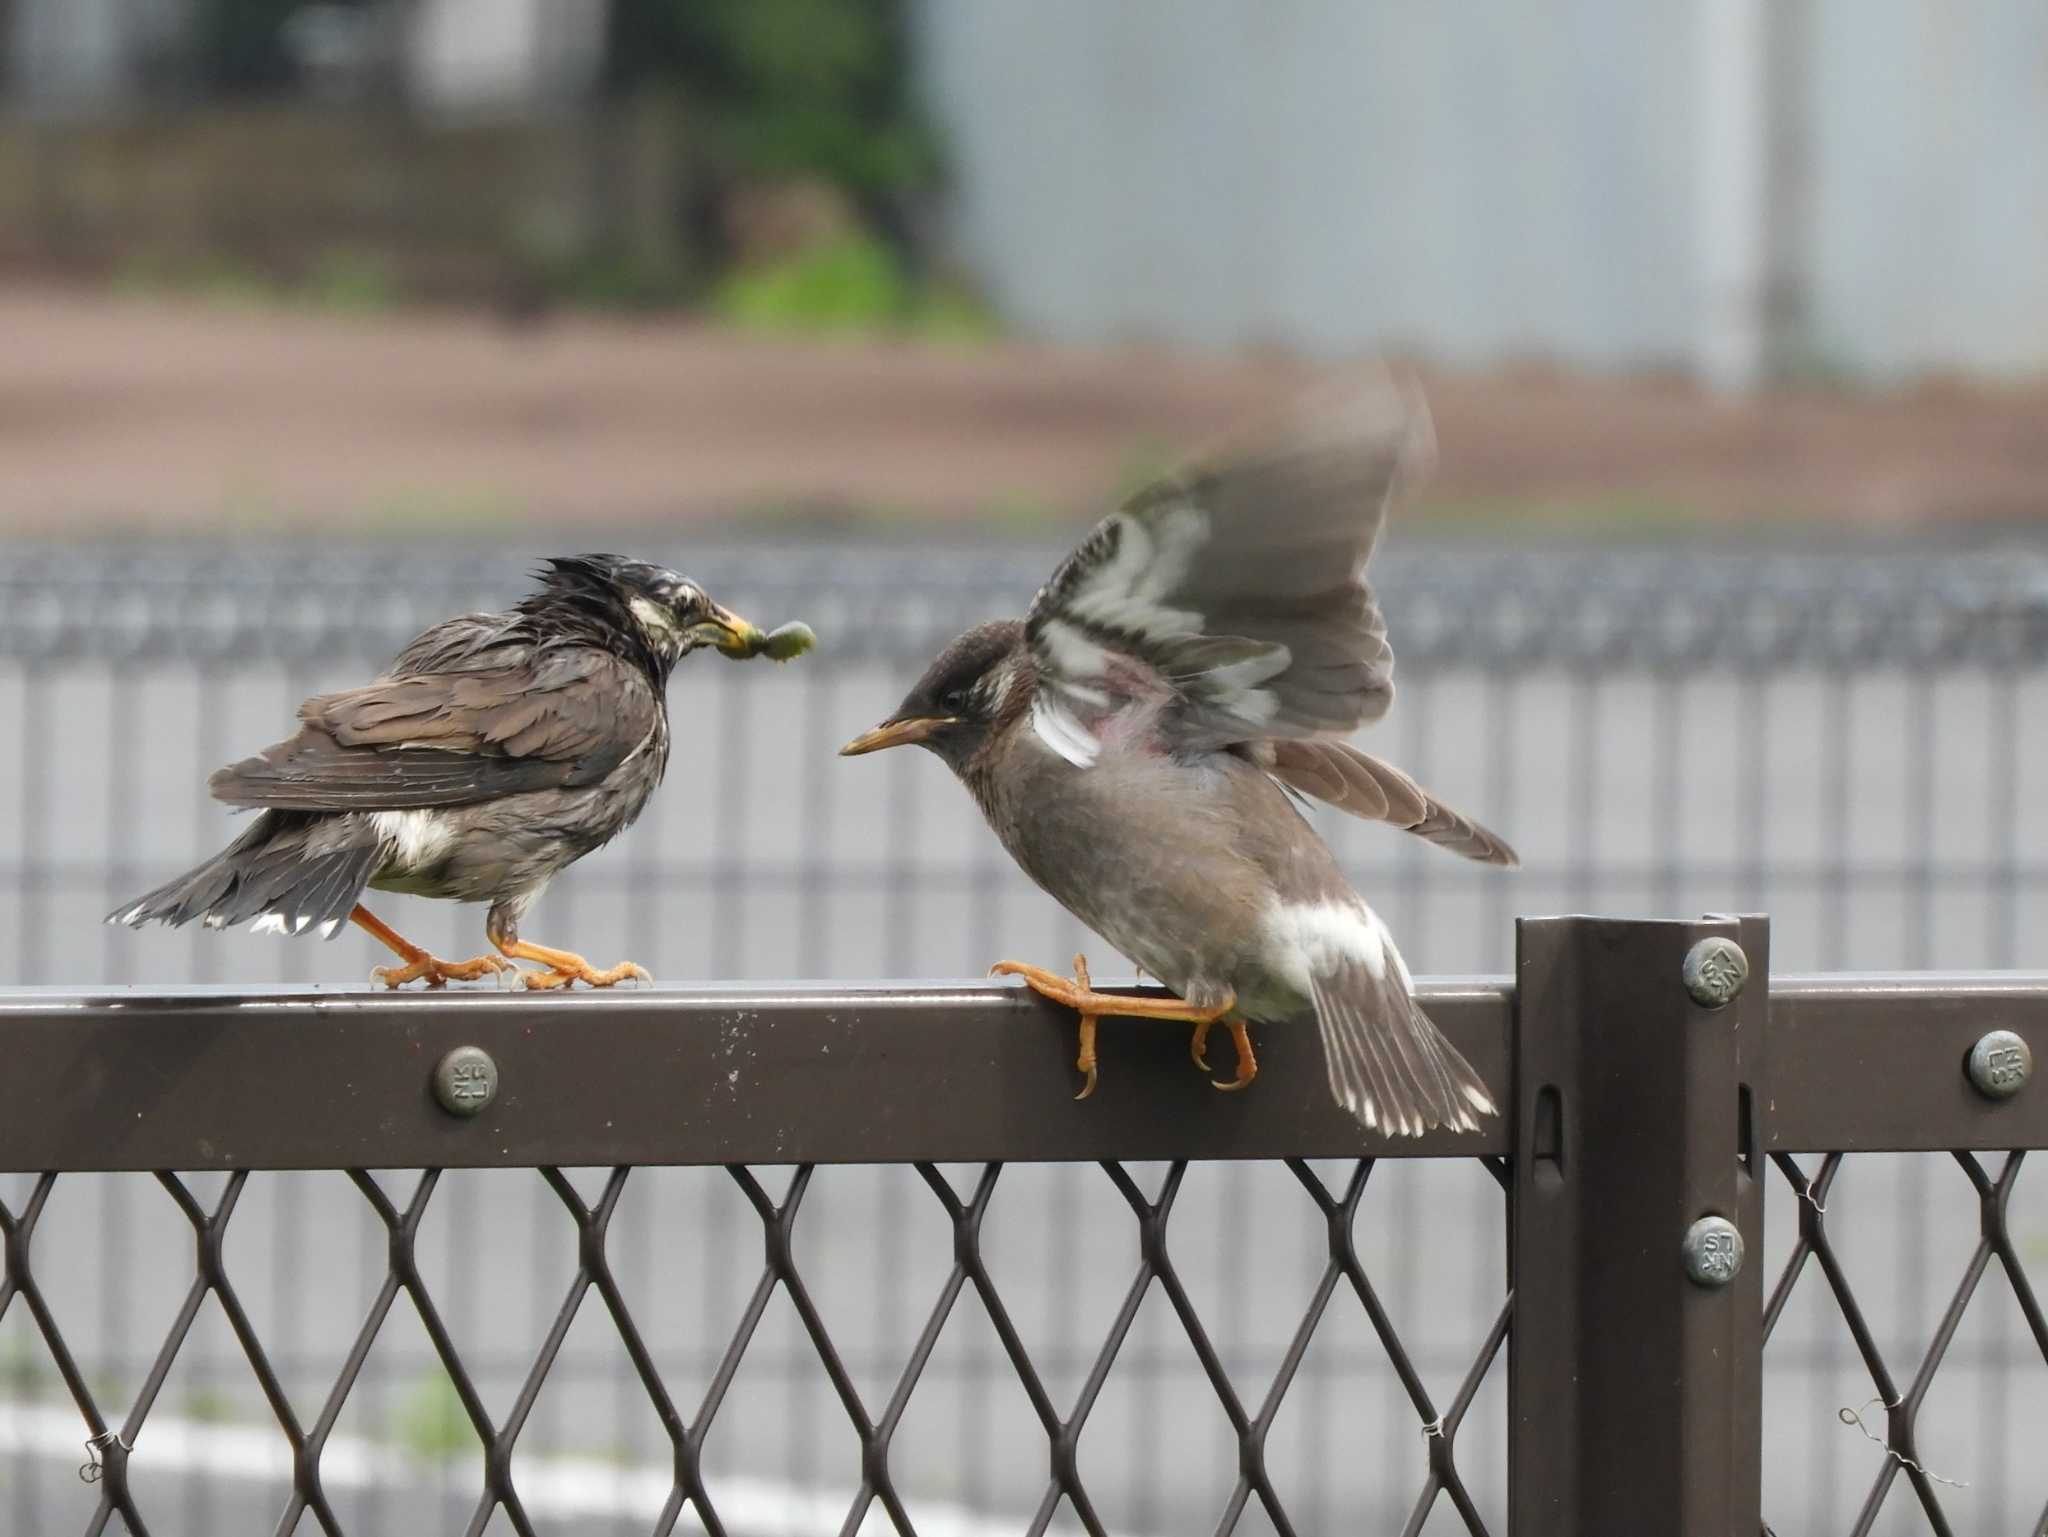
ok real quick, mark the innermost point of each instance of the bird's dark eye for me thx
(954, 701)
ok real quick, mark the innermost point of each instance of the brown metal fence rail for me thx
(1650, 1093)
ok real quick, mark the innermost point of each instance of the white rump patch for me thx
(1153, 556)
(415, 838)
(1059, 730)
(1317, 938)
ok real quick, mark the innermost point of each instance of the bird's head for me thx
(660, 610)
(974, 685)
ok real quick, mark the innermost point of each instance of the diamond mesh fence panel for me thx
(1906, 1366)
(664, 1419)
(1851, 744)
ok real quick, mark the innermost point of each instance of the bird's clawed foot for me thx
(418, 963)
(1241, 1038)
(1079, 995)
(562, 967)
(583, 971)
(439, 973)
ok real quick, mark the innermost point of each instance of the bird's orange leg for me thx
(565, 966)
(418, 963)
(1247, 1064)
(1079, 995)
(1241, 1037)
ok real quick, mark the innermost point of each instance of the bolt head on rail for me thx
(2000, 1064)
(465, 1080)
(1714, 972)
(1713, 1252)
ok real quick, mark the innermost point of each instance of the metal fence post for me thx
(1635, 1366)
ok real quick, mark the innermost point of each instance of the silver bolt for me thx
(465, 1080)
(1713, 1251)
(2000, 1064)
(1714, 971)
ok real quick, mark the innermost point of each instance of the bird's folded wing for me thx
(1344, 777)
(562, 720)
(1235, 590)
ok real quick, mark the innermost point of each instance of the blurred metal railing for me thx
(1496, 604)
(1854, 740)
(1647, 1092)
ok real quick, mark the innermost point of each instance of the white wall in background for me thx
(1930, 185)
(467, 54)
(1482, 180)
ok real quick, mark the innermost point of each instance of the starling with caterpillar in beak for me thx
(496, 751)
(1139, 739)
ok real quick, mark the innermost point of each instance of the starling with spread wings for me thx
(496, 751)
(1139, 741)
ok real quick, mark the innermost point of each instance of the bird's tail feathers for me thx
(1388, 1064)
(268, 876)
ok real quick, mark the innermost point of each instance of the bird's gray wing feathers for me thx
(559, 719)
(466, 643)
(1235, 590)
(1342, 776)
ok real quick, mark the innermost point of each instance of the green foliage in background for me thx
(768, 159)
(787, 87)
(852, 286)
(208, 1405)
(431, 1424)
(789, 92)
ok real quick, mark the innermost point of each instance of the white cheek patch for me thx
(415, 838)
(994, 688)
(659, 624)
(1059, 730)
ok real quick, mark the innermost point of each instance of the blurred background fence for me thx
(1853, 742)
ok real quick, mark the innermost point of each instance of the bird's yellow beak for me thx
(732, 635)
(741, 638)
(896, 733)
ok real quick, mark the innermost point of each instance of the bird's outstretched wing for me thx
(499, 720)
(1339, 775)
(1229, 601)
